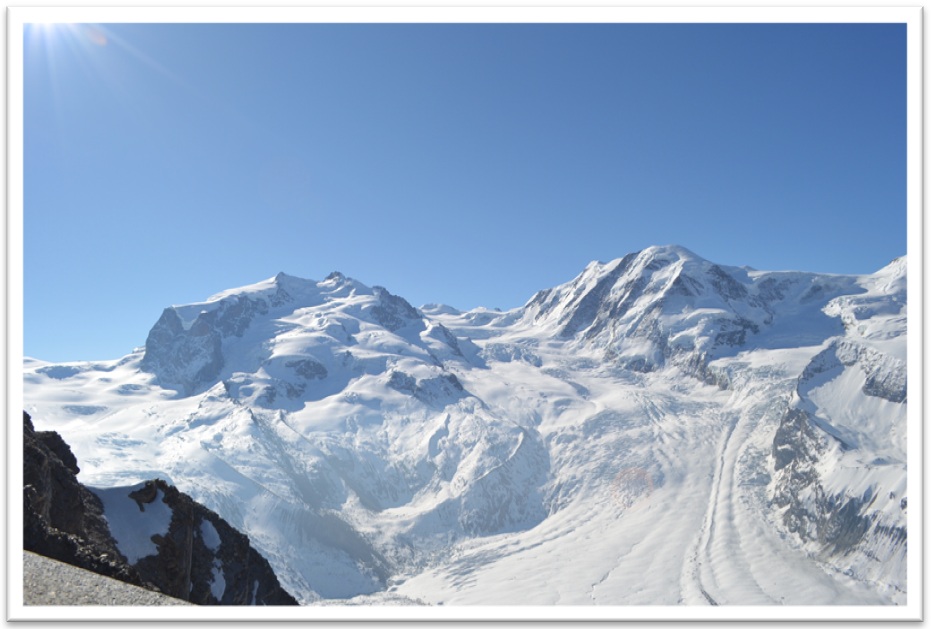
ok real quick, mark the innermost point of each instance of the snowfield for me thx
(661, 430)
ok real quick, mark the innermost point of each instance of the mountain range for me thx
(659, 430)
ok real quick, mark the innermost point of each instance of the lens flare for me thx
(96, 36)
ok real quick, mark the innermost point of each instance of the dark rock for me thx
(62, 519)
(889, 384)
(191, 359)
(439, 390)
(772, 289)
(685, 286)
(886, 377)
(308, 369)
(725, 285)
(837, 522)
(393, 312)
(144, 496)
(57, 445)
(844, 526)
(584, 314)
(206, 561)
(183, 359)
(539, 300)
(201, 558)
(791, 443)
(402, 382)
(449, 338)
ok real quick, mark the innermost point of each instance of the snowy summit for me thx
(660, 430)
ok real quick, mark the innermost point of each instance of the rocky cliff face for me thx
(150, 535)
(845, 526)
(62, 518)
(190, 552)
(839, 463)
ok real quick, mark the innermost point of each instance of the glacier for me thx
(660, 430)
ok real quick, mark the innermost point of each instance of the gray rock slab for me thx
(50, 582)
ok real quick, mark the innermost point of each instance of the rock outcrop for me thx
(196, 556)
(150, 534)
(62, 519)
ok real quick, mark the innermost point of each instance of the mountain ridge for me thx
(402, 445)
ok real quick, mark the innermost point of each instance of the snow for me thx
(552, 474)
(133, 524)
(218, 584)
(210, 535)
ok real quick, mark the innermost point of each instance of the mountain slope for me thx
(661, 429)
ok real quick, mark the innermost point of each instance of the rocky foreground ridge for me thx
(165, 541)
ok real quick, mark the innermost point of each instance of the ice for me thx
(483, 458)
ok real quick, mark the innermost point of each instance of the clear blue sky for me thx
(462, 164)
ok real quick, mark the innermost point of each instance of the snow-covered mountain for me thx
(661, 430)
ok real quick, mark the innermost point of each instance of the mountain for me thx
(151, 535)
(661, 429)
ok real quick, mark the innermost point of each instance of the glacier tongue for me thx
(659, 430)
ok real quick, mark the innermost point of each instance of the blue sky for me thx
(462, 164)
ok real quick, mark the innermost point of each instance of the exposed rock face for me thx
(198, 557)
(183, 359)
(393, 312)
(440, 390)
(62, 518)
(836, 522)
(832, 519)
(188, 356)
(885, 376)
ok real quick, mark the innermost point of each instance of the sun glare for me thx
(49, 32)
(49, 28)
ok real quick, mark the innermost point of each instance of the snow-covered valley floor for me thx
(659, 499)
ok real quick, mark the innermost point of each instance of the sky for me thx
(465, 164)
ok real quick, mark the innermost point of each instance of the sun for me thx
(46, 32)
(47, 28)
(50, 31)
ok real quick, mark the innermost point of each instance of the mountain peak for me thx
(669, 252)
(896, 268)
(666, 304)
